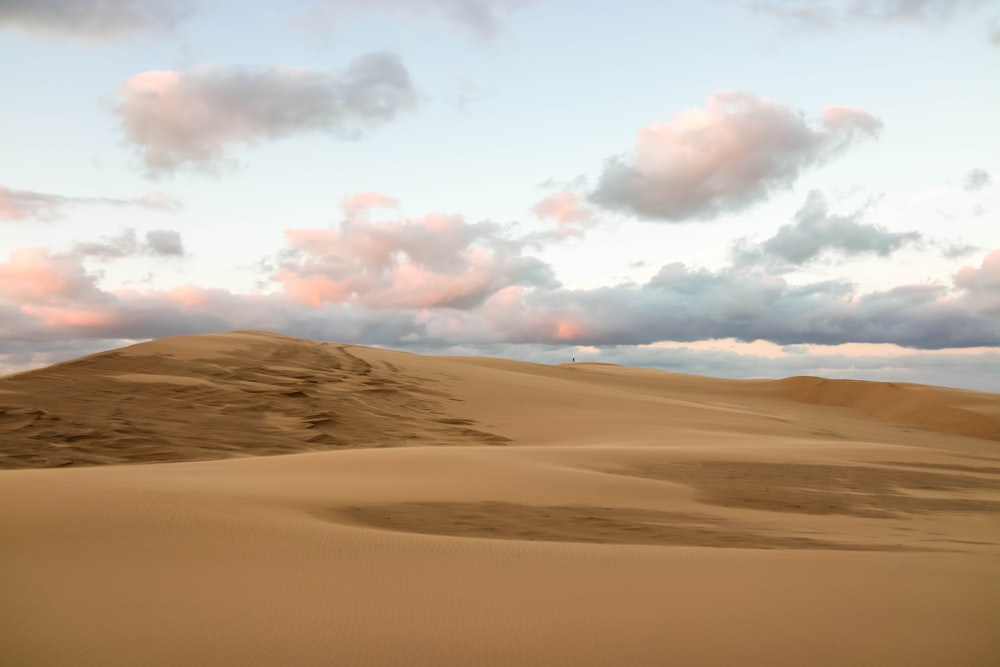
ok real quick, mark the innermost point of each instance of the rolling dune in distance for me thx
(318, 503)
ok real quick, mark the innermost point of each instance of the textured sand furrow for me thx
(828, 489)
(584, 524)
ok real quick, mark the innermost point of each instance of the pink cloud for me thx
(734, 152)
(194, 117)
(189, 295)
(415, 286)
(568, 330)
(982, 285)
(18, 205)
(568, 210)
(36, 276)
(564, 207)
(161, 200)
(57, 317)
(362, 201)
(984, 278)
(850, 119)
(314, 291)
(434, 261)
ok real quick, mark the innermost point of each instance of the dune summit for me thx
(204, 397)
(321, 503)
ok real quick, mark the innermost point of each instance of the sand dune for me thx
(935, 408)
(318, 503)
(205, 397)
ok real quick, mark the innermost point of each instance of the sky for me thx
(735, 188)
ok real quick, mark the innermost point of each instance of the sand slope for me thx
(483, 511)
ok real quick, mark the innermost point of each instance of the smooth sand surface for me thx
(312, 503)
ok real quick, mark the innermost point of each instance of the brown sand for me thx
(460, 511)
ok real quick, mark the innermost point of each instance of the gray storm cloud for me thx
(726, 157)
(193, 117)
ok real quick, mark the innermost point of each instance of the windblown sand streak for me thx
(359, 511)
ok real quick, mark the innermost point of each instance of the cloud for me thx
(49, 297)
(830, 14)
(483, 18)
(439, 281)
(816, 231)
(977, 179)
(164, 243)
(438, 261)
(983, 284)
(359, 203)
(193, 117)
(813, 14)
(986, 276)
(160, 200)
(24, 204)
(569, 211)
(685, 304)
(953, 250)
(565, 207)
(466, 94)
(38, 277)
(157, 243)
(735, 152)
(93, 20)
(908, 11)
